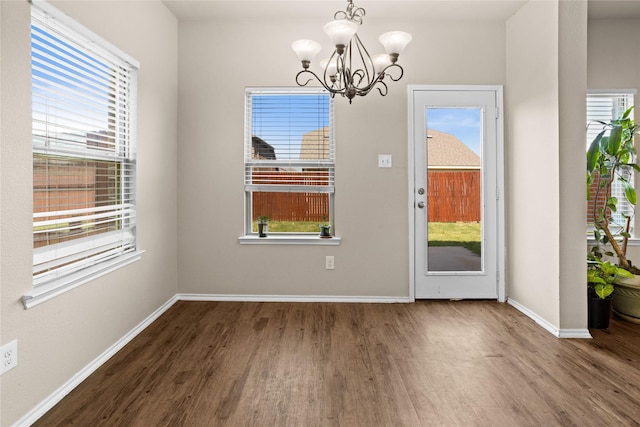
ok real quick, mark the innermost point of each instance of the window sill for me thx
(59, 286)
(288, 240)
(631, 242)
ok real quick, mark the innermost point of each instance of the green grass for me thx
(466, 234)
(290, 227)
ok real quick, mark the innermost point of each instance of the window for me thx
(289, 158)
(605, 106)
(84, 157)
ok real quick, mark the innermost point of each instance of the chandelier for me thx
(350, 70)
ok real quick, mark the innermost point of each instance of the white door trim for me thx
(500, 242)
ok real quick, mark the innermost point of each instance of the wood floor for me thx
(432, 363)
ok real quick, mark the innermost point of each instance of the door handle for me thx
(421, 205)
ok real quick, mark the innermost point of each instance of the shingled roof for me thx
(446, 150)
(261, 149)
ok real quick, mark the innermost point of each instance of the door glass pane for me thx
(454, 181)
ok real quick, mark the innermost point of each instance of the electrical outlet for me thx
(9, 354)
(329, 262)
(384, 160)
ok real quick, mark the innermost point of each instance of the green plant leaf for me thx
(595, 279)
(624, 273)
(603, 291)
(627, 112)
(614, 140)
(630, 193)
(593, 153)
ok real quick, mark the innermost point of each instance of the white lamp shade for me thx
(306, 49)
(395, 41)
(332, 68)
(380, 62)
(340, 31)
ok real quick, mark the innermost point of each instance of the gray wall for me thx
(60, 337)
(371, 208)
(546, 85)
(532, 158)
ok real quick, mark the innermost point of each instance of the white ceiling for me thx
(427, 9)
(473, 10)
(614, 9)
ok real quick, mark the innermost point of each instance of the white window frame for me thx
(251, 237)
(76, 262)
(618, 108)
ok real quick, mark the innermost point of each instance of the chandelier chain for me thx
(353, 13)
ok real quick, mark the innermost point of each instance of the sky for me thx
(282, 120)
(464, 123)
(70, 87)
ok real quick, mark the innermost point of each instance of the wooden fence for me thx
(454, 195)
(304, 207)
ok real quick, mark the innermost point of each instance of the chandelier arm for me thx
(395, 79)
(310, 79)
(365, 90)
(386, 89)
(361, 75)
(367, 63)
(340, 76)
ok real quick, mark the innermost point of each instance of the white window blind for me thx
(289, 148)
(604, 107)
(84, 158)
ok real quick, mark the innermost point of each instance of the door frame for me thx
(501, 227)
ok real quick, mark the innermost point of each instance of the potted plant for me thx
(325, 229)
(601, 278)
(263, 226)
(611, 157)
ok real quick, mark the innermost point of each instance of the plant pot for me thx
(599, 312)
(262, 229)
(325, 231)
(626, 299)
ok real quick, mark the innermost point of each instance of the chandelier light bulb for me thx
(394, 42)
(340, 31)
(306, 50)
(380, 62)
(332, 68)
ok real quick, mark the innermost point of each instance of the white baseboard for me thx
(560, 333)
(290, 298)
(574, 333)
(55, 397)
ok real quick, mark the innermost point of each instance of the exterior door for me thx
(456, 213)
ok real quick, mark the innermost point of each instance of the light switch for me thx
(384, 160)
